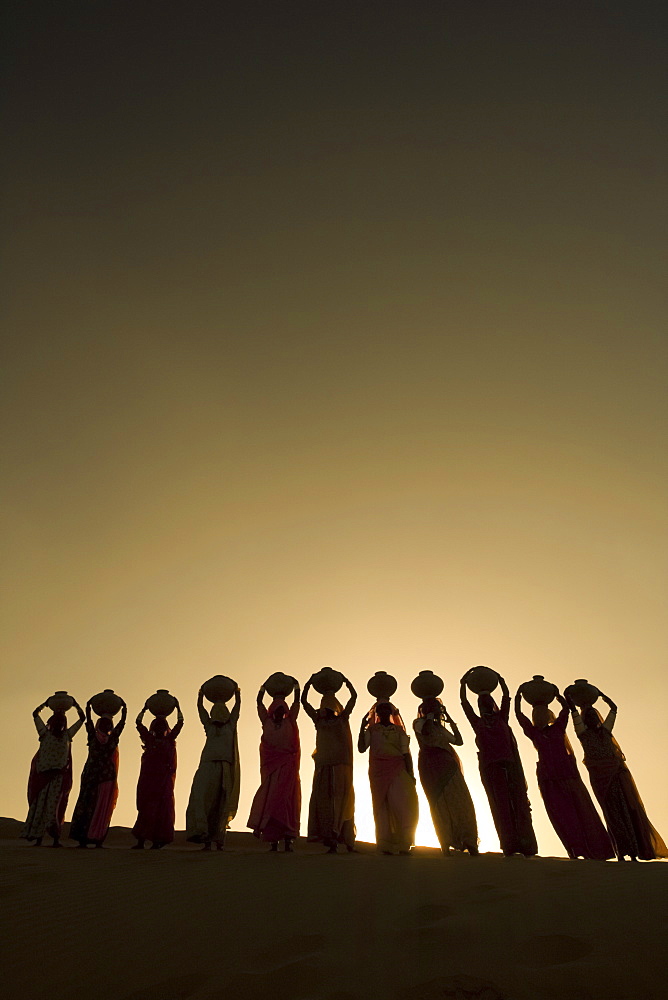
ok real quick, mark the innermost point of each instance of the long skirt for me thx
(629, 826)
(214, 797)
(505, 784)
(47, 807)
(155, 803)
(395, 804)
(275, 809)
(574, 817)
(332, 806)
(93, 811)
(449, 799)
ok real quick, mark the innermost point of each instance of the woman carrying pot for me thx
(632, 834)
(50, 778)
(98, 791)
(393, 795)
(157, 774)
(567, 801)
(442, 778)
(501, 769)
(274, 814)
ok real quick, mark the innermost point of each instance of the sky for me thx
(334, 334)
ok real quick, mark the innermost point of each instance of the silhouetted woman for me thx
(567, 801)
(274, 814)
(50, 778)
(632, 833)
(98, 791)
(214, 795)
(331, 815)
(501, 771)
(155, 787)
(442, 778)
(393, 795)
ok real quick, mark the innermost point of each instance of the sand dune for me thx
(175, 924)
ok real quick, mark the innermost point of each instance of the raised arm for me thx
(523, 720)
(466, 705)
(204, 716)
(352, 701)
(261, 710)
(452, 735)
(561, 720)
(309, 709)
(90, 725)
(609, 720)
(362, 741)
(179, 720)
(120, 725)
(39, 722)
(139, 721)
(236, 708)
(504, 708)
(294, 708)
(76, 726)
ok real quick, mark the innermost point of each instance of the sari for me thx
(567, 801)
(503, 779)
(393, 794)
(98, 791)
(447, 793)
(332, 804)
(49, 782)
(275, 810)
(214, 794)
(628, 824)
(155, 786)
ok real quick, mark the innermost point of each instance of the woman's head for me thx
(219, 713)
(57, 724)
(591, 718)
(278, 713)
(431, 706)
(104, 725)
(384, 711)
(542, 716)
(159, 727)
(486, 704)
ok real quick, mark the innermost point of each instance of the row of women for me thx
(275, 811)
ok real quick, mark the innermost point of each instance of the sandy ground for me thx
(246, 924)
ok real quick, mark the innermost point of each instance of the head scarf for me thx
(329, 700)
(57, 716)
(542, 718)
(395, 717)
(430, 706)
(219, 712)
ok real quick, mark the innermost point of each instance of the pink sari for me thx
(276, 807)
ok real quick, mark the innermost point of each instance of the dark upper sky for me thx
(333, 334)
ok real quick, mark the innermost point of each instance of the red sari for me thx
(155, 787)
(275, 811)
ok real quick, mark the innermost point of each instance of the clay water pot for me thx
(326, 680)
(538, 691)
(280, 685)
(219, 688)
(60, 701)
(382, 685)
(582, 693)
(427, 684)
(162, 703)
(482, 680)
(106, 703)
